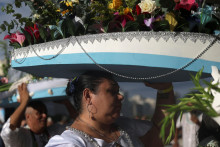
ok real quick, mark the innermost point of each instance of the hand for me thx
(158, 86)
(23, 92)
(175, 145)
(195, 119)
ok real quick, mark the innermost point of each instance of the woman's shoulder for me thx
(66, 139)
(134, 126)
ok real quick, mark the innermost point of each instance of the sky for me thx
(132, 88)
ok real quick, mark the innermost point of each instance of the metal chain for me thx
(23, 59)
(63, 48)
(121, 75)
(99, 133)
(152, 77)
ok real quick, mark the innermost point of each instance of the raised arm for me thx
(16, 117)
(165, 95)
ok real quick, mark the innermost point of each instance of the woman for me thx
(98, 103)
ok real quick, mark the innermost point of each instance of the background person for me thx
(37, 133)
(98, 103)
(189, 125)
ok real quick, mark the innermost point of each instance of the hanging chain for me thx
(121, 75)
(23, 59)
(151, 77)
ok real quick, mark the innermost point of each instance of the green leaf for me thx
(27, 36)
(6, 23)
(9, 9)
(12, 25)
(56, 31)
(162, 25)
(17, 3)
(131, 3)
(71, 27)
(131, 26)
(15, 45)
(3, 28)
(169, 4)
(42, 32)
(3, 8)
(5, 87)
(17, 15)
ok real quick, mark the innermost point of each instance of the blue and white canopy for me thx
(130, 56)
(47, 89)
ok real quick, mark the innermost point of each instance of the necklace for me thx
(99, 133)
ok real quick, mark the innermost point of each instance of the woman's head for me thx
(96, 92)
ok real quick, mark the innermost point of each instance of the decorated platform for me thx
(46, 90)
(130, 56)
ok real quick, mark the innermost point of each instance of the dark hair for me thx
(209, 128)
(38, 105)
(90, 80)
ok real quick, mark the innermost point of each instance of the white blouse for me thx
(131, 130)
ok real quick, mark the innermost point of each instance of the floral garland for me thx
(56, 19)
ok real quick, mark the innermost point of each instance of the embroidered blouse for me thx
(131, 130)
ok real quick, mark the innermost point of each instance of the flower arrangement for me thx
(56, 19)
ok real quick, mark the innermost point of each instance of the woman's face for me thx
(107, 102)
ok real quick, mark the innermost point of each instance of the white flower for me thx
(37, 16)
(147, 6)
(216, 101)
(75, 1)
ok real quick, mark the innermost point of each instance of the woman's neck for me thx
(93, 124)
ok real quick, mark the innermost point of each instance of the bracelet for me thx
(166, 90)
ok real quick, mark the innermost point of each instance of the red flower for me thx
(33, 31)
(187, 5)
(16, 37)
(138, 9)
(123, 18)
(127, 17)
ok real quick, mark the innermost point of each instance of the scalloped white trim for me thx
(121, 36)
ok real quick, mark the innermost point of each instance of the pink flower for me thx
(16, 37)
(148, 22)
(4, 80)
(187, 5)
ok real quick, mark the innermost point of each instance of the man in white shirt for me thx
(37, 134)
(190, 124)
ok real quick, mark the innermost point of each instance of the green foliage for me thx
(131, 3)
(101, 13)
(5, 87)
(200, 101)
(5, 67)
(167, 5)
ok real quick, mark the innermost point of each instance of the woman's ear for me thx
(87, 96)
